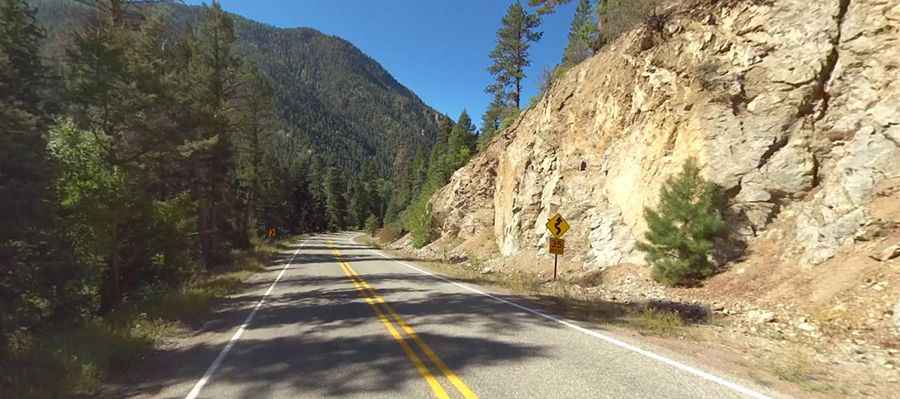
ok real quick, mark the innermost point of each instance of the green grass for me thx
(75, 362)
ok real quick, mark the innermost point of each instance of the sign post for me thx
(557, 226)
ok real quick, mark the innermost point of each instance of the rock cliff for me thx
(792, 106)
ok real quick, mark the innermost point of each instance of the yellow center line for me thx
(410, 353)
(454, 379)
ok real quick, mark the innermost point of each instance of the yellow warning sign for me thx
(557, 226)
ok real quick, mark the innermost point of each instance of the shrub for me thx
(418, 222)
(679, 240)
(390, 233)
(620, 16)
(371, 225)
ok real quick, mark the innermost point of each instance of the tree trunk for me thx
(204, 232)
(113, 295)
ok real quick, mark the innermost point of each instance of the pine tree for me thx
(24, 170)
(36, 276)
(460, 144)
(255, 122)
(582, 34)
(335, 203)
(116, 92)
(490, 121)
(510, 56)
(370, 185)
(213, 82)
(679, 240)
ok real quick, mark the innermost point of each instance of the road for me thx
(336, 319)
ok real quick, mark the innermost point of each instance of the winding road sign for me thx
(557, 226)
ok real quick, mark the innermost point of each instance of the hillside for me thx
(348, 105)
(790, 106)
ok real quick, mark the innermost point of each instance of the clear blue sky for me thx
(437, 48)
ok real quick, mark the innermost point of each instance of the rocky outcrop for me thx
(790, 105)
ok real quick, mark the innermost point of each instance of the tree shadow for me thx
(316, 334)
(322, 339)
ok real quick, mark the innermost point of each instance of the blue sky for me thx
(437, 48)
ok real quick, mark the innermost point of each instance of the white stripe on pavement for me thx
(662, 359)
(237, 335)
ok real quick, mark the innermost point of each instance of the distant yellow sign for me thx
(557, 246)
(271, 232)
(557, 226)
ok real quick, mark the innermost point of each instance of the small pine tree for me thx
(680, 233)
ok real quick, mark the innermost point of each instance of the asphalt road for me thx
(343, 320)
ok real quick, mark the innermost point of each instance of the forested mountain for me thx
(350, 107)
(347, 105)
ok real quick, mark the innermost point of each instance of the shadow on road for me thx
(317, 319)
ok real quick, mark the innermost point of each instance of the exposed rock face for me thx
(792, 106)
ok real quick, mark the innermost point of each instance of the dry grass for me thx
(570, 299)
(660, 322)
(389, 233)
(799, 369)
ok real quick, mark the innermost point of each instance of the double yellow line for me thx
(404, 334)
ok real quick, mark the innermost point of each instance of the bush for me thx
(371, 225)
(679, 240)
(390, 233)
(620, 16)
(417, 221)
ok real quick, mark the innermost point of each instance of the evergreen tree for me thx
(510, 56)
(357, 204)
(213, 82)
(24, 169)
(490, 121)
(582, 34)
(38, 279)
(335, 203)
(255, 121)
(116, 91)
(460, 144)
(372, 193)
(679, 240)
(438, 167)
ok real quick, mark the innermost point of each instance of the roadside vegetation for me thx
(681, 230)
(76, 361)
(135, 180)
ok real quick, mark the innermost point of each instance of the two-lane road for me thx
(337, 319)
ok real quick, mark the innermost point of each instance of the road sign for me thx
(557, 246)
(557, 226)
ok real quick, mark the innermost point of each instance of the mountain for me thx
(350, 108)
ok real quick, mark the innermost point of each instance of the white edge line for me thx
(662, 359)
(237, 334)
